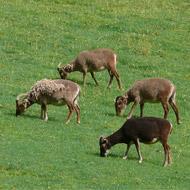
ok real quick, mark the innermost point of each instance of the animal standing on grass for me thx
(92, 61)
(147, 130)
(153, 90)
(56, 92)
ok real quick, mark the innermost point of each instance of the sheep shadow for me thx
(123, 116)
(25, 115)
(113, 156)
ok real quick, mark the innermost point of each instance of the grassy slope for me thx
(151, 39)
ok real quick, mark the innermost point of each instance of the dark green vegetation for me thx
(151, 39)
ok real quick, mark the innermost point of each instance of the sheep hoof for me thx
(140, 161)
(67, 121)
(125, 158)
(46, 119)
(78, 122)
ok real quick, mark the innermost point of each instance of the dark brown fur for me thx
(144, 130)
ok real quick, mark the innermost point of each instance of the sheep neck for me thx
(116, 138)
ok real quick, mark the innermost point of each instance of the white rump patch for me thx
(102, 68)
(154, 140)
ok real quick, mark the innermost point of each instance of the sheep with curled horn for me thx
(93, 61)
(55, 92)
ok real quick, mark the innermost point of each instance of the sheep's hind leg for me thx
(77, 109)
(45, 114)
(137, 145)
(69, 114)
(175, 109)
(166, 154)
(111, 79)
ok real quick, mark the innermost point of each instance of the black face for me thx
(20, 109)
(120, 105)
(104, 147)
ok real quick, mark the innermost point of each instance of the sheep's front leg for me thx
(42, 112)
(137, 145)
(93, 76)
(126, 153)
(44, 115)
(141, 109)
(132, 110)
(84, 78)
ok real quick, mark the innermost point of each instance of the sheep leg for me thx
(141, 109)
(69, 114)
(44, 115)
(175, 109)
(77, 109)
(116, 75)
(84, 78)
(93, 76)
(126, 153)
(166, 109)
(42, 111)
(111, 79)
(166, 154)
(137, 145)
(132, 110)
(169, 155)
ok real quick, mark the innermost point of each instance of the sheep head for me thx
(120, 104)
(63, 71)
(21, 104)
(104, 146)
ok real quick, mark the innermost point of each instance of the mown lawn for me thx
(151, 39)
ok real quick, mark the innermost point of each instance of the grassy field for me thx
(151, 39)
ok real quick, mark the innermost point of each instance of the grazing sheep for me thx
(147, 130)
(56, 92)
(92, 61)
(153, 90)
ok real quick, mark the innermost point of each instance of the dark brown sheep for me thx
(147, 130)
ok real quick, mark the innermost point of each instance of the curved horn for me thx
(21, 96)
(59, 66)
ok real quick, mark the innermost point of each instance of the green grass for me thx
(151, 39)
